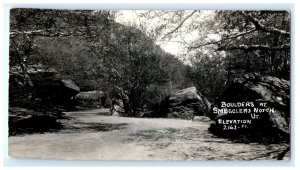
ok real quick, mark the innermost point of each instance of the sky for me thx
(130, 17)
(173, 45)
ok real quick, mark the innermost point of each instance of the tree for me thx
(226, 44)
(133, 68)
(209, 74)
(261, 39)
(33, 29)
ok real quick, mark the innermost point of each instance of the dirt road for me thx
(91, 135)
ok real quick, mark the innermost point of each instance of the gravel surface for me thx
(92, 135)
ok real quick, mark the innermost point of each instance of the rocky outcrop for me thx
(185, 104)
(254, 88)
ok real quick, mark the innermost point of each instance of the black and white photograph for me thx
(149, 84)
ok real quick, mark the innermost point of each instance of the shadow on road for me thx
(92, 127)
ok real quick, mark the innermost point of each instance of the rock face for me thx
(254, 88)
(185, 104)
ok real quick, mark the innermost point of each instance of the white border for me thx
(292, 5)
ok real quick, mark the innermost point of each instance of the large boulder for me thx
(47, 84)
(90, 95)
(185, 104)
(71, 86)
(91, 98)
(37, 96)
(274, 119)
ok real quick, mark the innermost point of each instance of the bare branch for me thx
(180, 24)
(256, 47)
(263, 28)
(26, 32)
(45, 33)
(231, 37)
(258, 27)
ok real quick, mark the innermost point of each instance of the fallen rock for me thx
(273, 124)
(185, 104)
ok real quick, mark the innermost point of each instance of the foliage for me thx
(209, 74)
(261, 38)
(98, 53)
(94, 51)
(136, 70)
(34, 33)
(226, 44)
